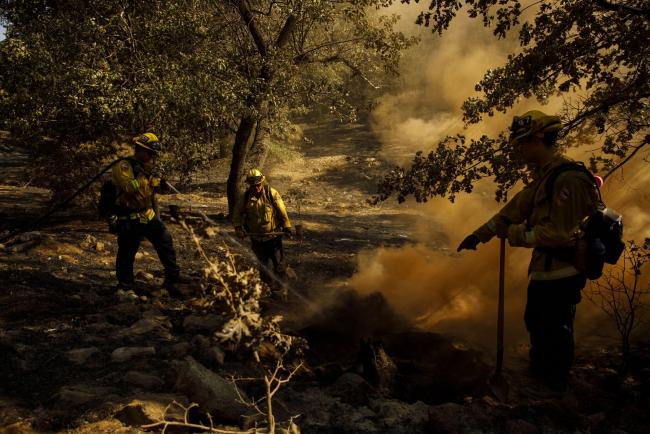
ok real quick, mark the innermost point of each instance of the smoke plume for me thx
(429, 282)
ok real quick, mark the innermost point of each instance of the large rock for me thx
(143, 379)
(212, 392)
(518, 426)
(206, 323)
(82, 394)
(449, 418)
(211, 355)
(157, 326)
(351, 389)
(400, 417)
(216, 355)
(123, 354)
(323, 413)
(476, 416)
(80, 356)
(180, 350)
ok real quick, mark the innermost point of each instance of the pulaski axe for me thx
(498, 384)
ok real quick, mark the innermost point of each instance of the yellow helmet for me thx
(533, 122)
(148, 141)
(255, 177)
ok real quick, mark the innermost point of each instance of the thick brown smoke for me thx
(428, 281)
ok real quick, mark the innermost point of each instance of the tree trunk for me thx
(239, 152)
(260, 147)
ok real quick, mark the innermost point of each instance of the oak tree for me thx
(592, 53)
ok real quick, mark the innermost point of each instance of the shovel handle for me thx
(263, 234)
(500, 317)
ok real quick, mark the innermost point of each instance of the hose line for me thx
(33, 224)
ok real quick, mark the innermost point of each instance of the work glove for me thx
(112, 221)
(469, 243)
(240, 233)
(155, 177)
(288, 232)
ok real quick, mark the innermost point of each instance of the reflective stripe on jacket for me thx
(547, 224)
(135, 192)
(257, 216)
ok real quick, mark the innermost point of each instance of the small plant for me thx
(299, 194)
(273, 377)
(239, 293)
(620, 293)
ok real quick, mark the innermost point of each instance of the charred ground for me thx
(367, 369)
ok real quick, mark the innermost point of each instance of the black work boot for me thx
(124, 291)
(172, 284)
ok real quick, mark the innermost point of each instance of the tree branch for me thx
(286, 31)
(619, 7)
(298, 58)
(247, 16)
(629, 157)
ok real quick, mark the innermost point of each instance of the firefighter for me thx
(261, 213)
(137, 214)
(546, 223)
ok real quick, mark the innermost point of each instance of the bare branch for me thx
(620, 7)
(646, 141)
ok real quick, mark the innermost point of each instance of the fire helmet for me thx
(533, 122)
(255, 177)
(148, 141)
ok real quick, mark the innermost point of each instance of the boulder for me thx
(201, 343)
(216, 355)
(400, 417)
(212, 392)
(180, 350)
(474, 416)
(211, 355)
(206, 323)
(80, 356)
(518, 426)
(157, 326)
(321, 412)
(82, 394)
(143, 379)
(448, 418)
(123, 354)
(122, 313)
(351, 389)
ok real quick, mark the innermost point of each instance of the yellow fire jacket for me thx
(547, 224)
(257, 215)
(135, 192)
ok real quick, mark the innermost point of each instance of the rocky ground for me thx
(77, 357)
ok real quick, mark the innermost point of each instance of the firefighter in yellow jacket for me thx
(261, 213)
(137, 214)
(545, 218)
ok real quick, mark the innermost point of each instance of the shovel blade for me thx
(499, 387)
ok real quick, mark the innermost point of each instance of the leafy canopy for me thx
(593, 53)
(79, 77)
